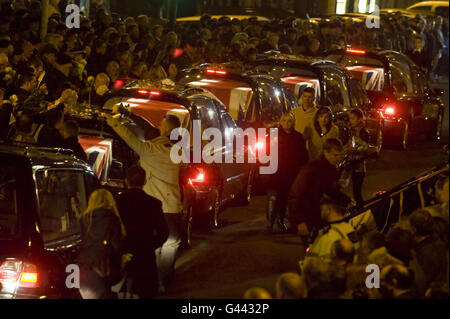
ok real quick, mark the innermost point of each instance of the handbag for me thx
(108, 265)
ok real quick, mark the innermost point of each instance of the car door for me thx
(59, 192)
(210, 119)
(235, 174)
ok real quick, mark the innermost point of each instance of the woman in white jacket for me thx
(321, 129)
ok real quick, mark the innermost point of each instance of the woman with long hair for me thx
(321, 129)
(358, 146)
(100, 252)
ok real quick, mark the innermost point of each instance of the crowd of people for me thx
(410, 261)
(41, 80)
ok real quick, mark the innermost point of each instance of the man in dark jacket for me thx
(315, 180)
(70, 133)
(146, 230)
(49, 135)
(418, 55)
(292, 156)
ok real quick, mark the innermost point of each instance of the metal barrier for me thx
(387, 208)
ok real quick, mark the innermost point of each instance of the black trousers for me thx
(277, 206)
(357, 182)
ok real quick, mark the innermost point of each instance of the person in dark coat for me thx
(418, 55)
(292, 156)
(147, 230)
(70, 133)
(316, 179)
(100, 257)
(5, 116)
(49, 135)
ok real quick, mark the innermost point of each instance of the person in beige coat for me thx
(318, 131)
(162, 183)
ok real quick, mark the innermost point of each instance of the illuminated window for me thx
(362, 6)
(340, 6)
(372, 5)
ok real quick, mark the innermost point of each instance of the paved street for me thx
(241, 253)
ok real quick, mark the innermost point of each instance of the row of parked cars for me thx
(39, 233)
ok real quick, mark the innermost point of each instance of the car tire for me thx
(245, 196)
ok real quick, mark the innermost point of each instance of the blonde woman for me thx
(100, 251)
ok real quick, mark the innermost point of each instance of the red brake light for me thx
(355, 51)
(146, 92)
(198, 177)
(220, 72)
(15, 271)
(143, 92)
(10, 270)
(259, 146)
(118, 84)
(177, 53)
(389, 111)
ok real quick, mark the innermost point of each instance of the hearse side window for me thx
(272, 102)
(59, 191)
(357, 94)
(336, 91)
(227, 121)
(401, 77)
(207, 112)
(8, 202)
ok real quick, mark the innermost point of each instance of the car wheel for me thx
(245, 196)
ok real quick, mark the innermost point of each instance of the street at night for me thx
(205, 151)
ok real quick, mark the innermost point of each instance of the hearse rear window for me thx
(8, 203)
(61, 194)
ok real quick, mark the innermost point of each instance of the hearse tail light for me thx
(24, 274)
(388, 110)
(259, 145)
(355, 51)
(219, 72)
(197, 178)
(143, 92)
(147, 92)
